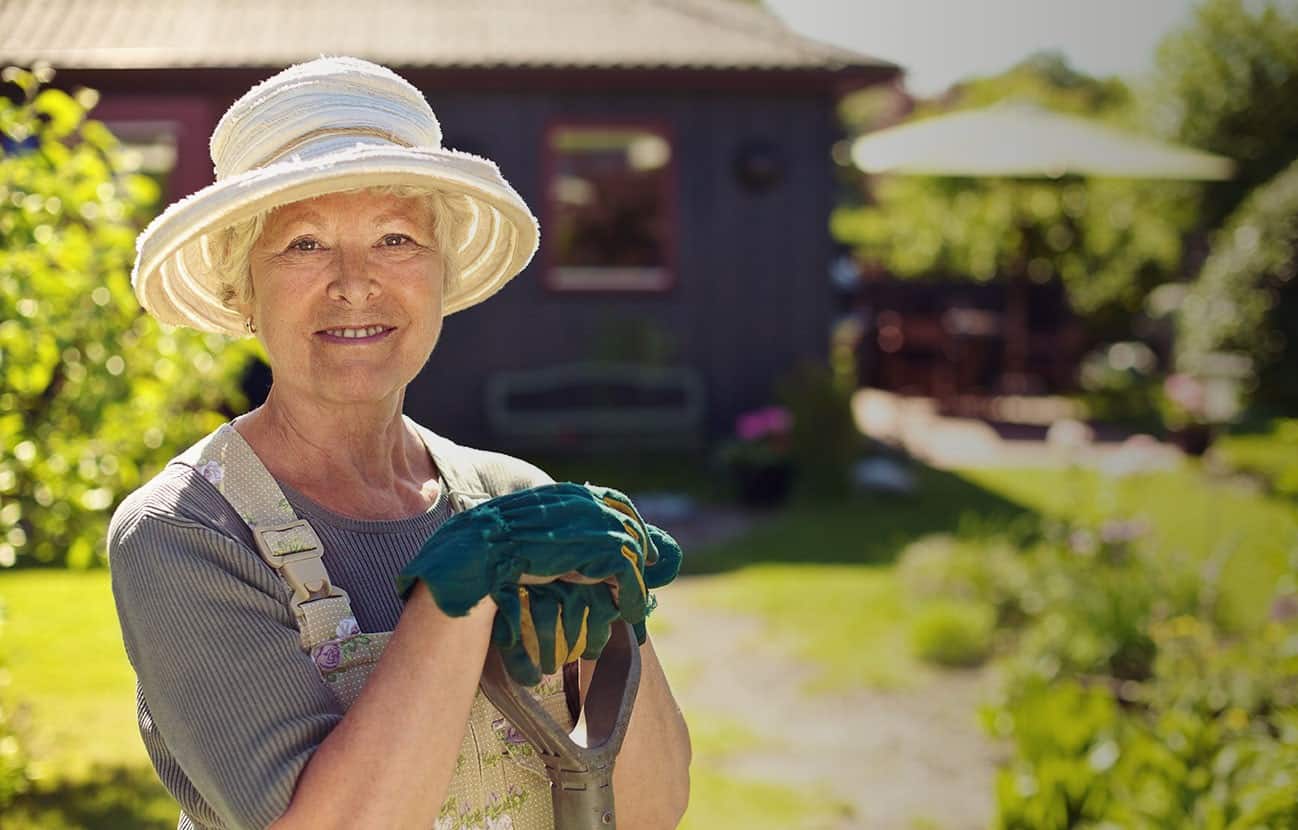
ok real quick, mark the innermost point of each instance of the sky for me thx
(941, 41)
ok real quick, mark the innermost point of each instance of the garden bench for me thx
(593, 406)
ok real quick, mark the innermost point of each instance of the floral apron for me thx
(499, 783)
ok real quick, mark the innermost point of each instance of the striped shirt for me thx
(230, 707)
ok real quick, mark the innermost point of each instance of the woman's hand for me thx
(565, 532)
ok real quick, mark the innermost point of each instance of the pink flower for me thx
(327, 656)
(1186, 392)
(761, 423)
(1284, 608)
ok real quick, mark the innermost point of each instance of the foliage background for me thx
(94, 395)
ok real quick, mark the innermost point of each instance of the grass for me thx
(722, 800)
(850, 623)
(65, 656)
(1268, 450)
(64, 653)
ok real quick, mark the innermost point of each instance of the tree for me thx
(1227, 83)
(94, 395)
(1245, 300)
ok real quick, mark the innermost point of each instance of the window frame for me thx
(670, 188)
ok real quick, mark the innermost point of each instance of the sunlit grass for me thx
(849, 623)
(1191, 515)
(65, 657)
(721, 800)
(63, 650)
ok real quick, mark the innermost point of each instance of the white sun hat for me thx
(319, 127)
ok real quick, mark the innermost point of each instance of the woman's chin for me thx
(351, 388)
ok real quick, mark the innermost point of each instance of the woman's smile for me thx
(357, 335)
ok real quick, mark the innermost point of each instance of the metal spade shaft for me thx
(581, 776)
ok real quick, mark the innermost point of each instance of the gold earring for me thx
(250, 326)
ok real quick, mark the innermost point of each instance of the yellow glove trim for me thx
(531, 644)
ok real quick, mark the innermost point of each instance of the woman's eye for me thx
(306, 243)
(393, 240)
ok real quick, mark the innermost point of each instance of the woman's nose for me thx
(351, 281)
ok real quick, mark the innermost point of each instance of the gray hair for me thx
(231, 248)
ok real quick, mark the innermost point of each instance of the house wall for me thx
(751, 296)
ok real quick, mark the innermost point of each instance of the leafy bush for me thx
(1065, 740)
(1120, 384)
(94, 395)
(825, 440)
(1245, 299)
(1210, 740)
(954, 633)
(1126, 705)
(989, 572)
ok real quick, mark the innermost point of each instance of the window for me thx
(609, 219)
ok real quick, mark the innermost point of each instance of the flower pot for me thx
(1193, 439)
(764, 486)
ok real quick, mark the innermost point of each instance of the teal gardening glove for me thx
(562, 620)
(586, 533)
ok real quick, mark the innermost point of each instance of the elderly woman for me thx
(258, 569)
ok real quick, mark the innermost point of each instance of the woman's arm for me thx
(651, 780)
(389, 762)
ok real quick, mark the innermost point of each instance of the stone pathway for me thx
(901, 760)
(1043, 434)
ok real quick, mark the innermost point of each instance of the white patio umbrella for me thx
(1024, 140)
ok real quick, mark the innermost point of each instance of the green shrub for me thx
(1065, 739)
(991, 572)
(954, 633)
(1245, 298)
(1210, 740)
(825, 440)
(94, 395)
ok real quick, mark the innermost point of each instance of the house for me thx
(677, 153)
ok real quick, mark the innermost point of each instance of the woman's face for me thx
(347, 295)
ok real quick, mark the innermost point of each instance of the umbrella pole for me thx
(1014, 374)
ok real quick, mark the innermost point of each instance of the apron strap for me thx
(288, 544)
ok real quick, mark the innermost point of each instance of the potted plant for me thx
(758, 458)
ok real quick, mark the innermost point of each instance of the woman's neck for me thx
(360, 461)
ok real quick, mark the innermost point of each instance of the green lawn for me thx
(65, 658)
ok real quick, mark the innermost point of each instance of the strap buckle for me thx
(294, 549)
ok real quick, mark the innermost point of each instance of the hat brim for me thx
(495, 234)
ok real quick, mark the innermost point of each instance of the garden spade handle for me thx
(581, 776)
